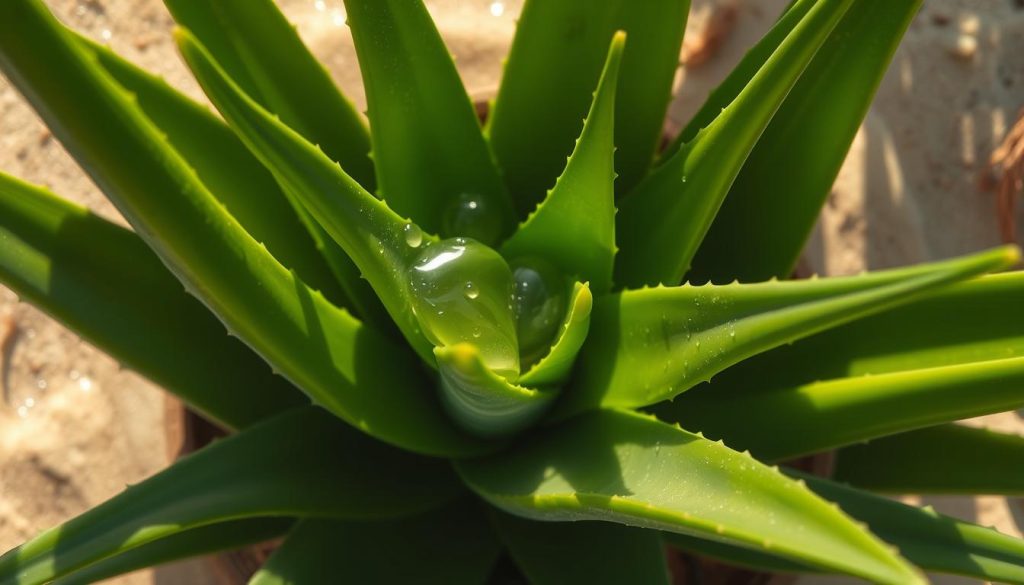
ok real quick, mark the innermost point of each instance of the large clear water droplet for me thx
(448, 313)
(539, 302)
(471, 216)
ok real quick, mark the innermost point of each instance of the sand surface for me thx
(75, 428)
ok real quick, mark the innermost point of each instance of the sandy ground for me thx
(74, 428)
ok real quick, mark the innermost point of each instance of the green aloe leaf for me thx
(263, 54)
(73, 265)
(356, 373)
(741, 74)
(661, 224)
(944, 459)
(774, 202)
(930, 540)
(323, 469)
(452, 545)
(379, 241)
(244, 186)
(569, 553)
(433, 163)
(650, 345)
(968, 322)
(190, 543)
(614, 465)
(824, 415)
(562, 44)
(554, 368)
(574, 227)
(480, 400)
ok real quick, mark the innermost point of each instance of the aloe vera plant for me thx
(449, 344)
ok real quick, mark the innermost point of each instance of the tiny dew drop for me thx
(471, 291)
(413, 235)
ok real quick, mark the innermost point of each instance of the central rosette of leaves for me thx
(489, 323)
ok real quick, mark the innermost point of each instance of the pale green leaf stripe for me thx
(574, 227)
(373, 235)
(583, 553)
(972, 321)
(778, 194)
(928, 539)
(101, 281)
(282, 75)
(615, 465)
(556, 366)
(944, 459)
(559, 47)
(354, 372)
(190, 543)
(429, 150)
(323, 469)
(650, 345)
(481, 401)
(830, 414)
(226, 169)
(661, 224)
(452, 545)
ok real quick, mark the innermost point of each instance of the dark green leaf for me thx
(552, 69)
(584, 553)
(661, 224)
(449, 546)
(778, 194)
(615, 465)
(944, 459)
(736, 555)
(304, 463)
(190, 543)
(263, 54)
(433, 163)
(574, 227)
(101, 281)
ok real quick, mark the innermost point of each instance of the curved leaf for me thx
(650, 345)
(480, 400)
(776, 197)
(101, 281)
(554, 368)
(282, 75)
(322, 469)
(574, 227)
(374, 236)
(661, 224)
(559, 47)
(928, 539)
(431, 156)
(568, 553)
(226, 168)
(359, 375)
(944, 459)
(190, 543)
(825, 415)
(615, 465)
(449, 546)
(972, 321)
